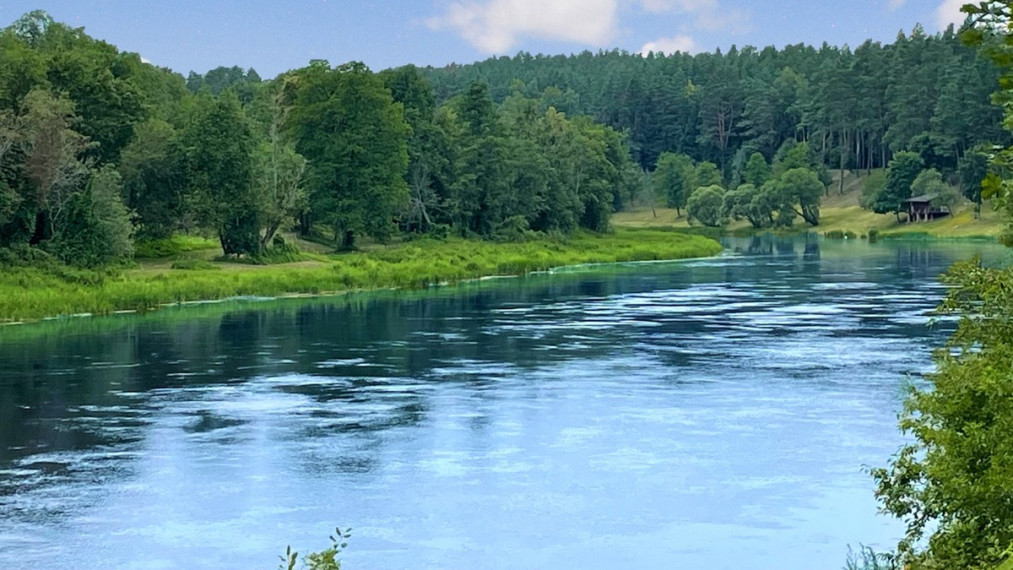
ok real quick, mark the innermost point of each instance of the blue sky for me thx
(273, 35)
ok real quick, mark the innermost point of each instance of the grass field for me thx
(841, 212)
(30, 293)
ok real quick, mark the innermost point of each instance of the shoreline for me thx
(30, 295)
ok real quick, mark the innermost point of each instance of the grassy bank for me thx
(840, 212)
(28, 293)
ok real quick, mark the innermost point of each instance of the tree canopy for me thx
(495, 149)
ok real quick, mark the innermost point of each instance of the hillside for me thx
(841, 212)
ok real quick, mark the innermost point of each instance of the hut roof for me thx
(923, 199)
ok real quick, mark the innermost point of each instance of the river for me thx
(714, 413)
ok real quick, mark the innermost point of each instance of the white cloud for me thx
(495, 26)
(949, 13)
(669, 46)
(498, 26)
(685, 6)
(895, 5)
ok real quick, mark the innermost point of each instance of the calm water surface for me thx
(705, 414)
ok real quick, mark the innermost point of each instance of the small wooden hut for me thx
(920, 209)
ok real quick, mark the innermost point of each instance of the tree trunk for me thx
(40, 232)
(348, 240)
(305, 224)
(269, 235)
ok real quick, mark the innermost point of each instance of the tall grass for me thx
(30, 293)
(173, 246)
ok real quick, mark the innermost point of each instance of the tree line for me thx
(99, 149)
(925, 93)
(854, 109)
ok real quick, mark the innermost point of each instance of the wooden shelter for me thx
(920, 209)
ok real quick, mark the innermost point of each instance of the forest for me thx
(855, 109)
(100, 151)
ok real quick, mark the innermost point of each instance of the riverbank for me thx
(840, 213)
(30, 293)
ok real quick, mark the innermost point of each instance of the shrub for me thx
(194, 264)
(951, 483)
(172, 246)
(706, 205)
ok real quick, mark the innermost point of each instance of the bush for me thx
(280, 252)
(172, 246)
(706, 205)
(872, 186)
(194, 265)
(514, 228)
(23, 255)
(951, 484)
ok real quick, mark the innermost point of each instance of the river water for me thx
(713, 413)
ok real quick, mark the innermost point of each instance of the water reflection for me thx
(712, 413)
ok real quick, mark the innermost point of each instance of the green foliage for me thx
(347, 125)
(279, 172)
(953, 483)
(840, 234)
(233, 79)
(757, 170)
(514, 228)
(791, 155)
(36, 292)
(430, 172)
(171, 246)
(708, 174)
(901, 173)
(466, 150)
(802, 187)
(195, 264)
(930, 183)
(745, 203)
(153, 182)
(873, 185)
(279, 252)
(706, 205)
(110, 224)
(326, 559)
(973, 168)
(674, 178)
(216, 147)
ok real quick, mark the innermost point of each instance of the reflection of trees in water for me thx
(921, 262)
(67, 392)
(805, 245)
